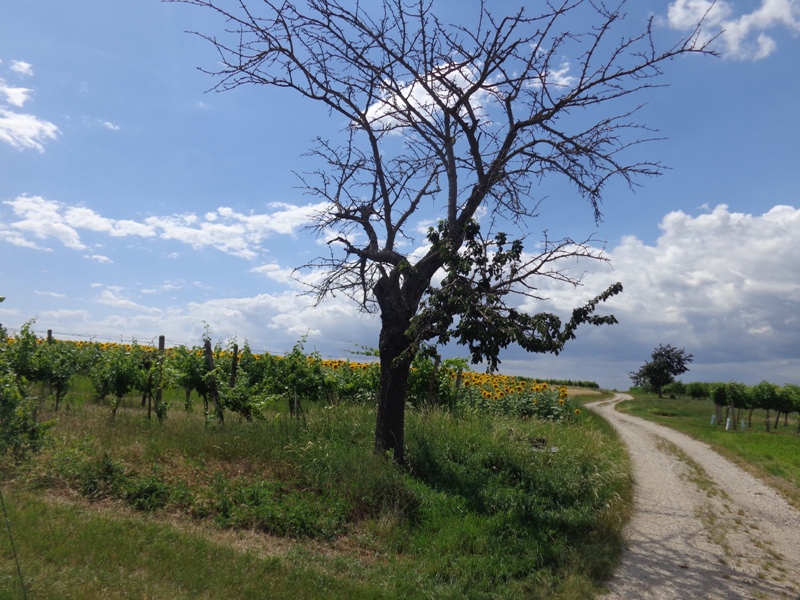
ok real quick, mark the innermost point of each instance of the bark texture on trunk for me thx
(390, 422)
(398, 300)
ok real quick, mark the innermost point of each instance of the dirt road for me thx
(702, 528)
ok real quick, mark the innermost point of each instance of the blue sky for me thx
(133, 203)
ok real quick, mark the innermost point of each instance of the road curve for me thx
(702, 527)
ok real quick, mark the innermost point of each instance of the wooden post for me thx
(49, 336)
(212, 381)
(432, 383)
(159, 382)
(234, 364)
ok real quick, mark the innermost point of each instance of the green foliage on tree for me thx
(470, 305)
(666, 362)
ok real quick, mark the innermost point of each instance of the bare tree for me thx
(464, 119)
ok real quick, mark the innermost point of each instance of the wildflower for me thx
(577, 412)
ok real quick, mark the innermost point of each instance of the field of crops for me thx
(234, 380)
(509, 489)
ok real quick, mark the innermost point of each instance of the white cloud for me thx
(22, 67)
(393, 109)
(15, 96)
(17, 238)
(20, 130)
(744, 37)
(42, 219)
(85, 218)
(25, 132)
(225, 229)
(111, 126)
(167, 286)
(723, 284)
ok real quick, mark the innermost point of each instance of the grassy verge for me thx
(774, 457)
(486, 508)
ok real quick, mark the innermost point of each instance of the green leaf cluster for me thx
(472, 303)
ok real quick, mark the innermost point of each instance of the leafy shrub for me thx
(20, 430)
(271, 507)
(147, 493)
(117, 372)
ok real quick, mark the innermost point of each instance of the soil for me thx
(702, 527)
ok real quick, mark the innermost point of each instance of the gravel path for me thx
(702, 527)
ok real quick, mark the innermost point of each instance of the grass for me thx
(772, 456)
(283, 509)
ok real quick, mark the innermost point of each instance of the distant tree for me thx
(698, 390)
(464, 120)
(666, 362)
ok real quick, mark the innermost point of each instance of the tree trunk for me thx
(398, 303)
(390, 422)
(395, 368)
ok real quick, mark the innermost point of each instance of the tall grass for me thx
(486, 507)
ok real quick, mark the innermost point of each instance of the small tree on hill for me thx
(666, 363)
(459, 121)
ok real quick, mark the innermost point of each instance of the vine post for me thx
(212, 380)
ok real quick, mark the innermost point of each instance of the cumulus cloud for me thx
(743, 37)
(85, 218)
(224, 229)
(25, 132)
(445, 85)
(43, 219)
(20, 130)
(722, 284)
(15, 96)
